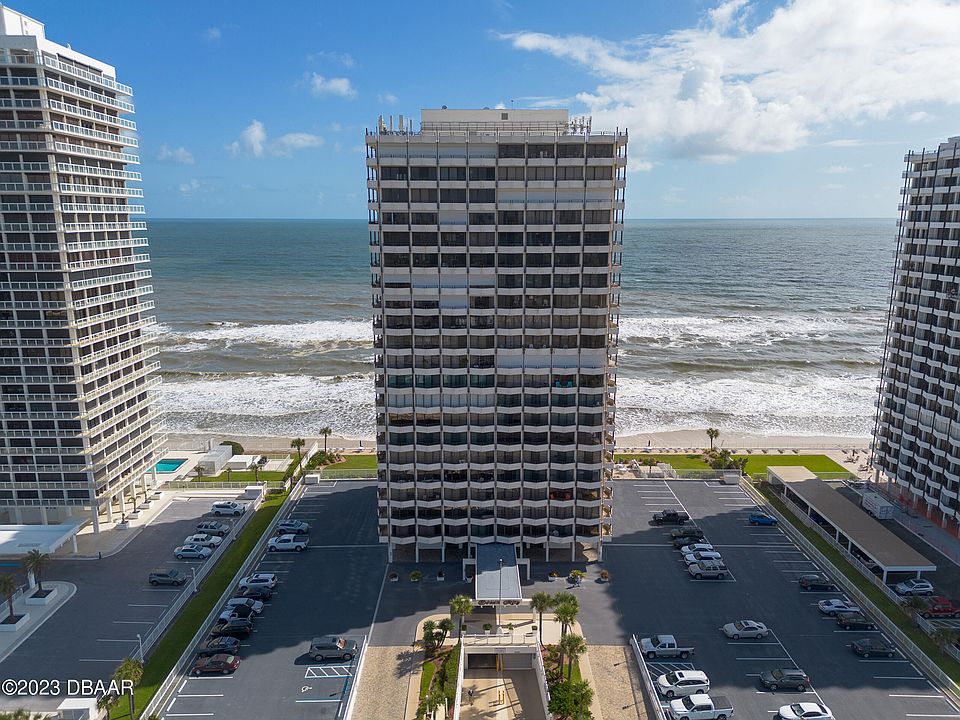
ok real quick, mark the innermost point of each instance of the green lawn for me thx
(171, 646)
(756, 463)
(356, 462)
(877, 597)
(246, 476)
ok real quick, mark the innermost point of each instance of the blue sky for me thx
(735, 109)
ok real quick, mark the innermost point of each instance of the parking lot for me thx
(332, 588)
(90, 634)
(650, 592)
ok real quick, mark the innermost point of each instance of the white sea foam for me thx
(317, 332)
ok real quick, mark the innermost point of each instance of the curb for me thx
(71, 590)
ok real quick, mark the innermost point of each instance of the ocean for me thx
(767, 327)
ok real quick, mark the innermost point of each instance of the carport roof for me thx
(21, 539)
(494, 583)
(872, 538)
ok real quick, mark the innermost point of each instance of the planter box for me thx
(13, 627)
(394, 578)
(135, 515)
(33, 600)
(121, 526)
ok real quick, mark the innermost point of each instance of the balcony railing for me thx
(74, 169)
(95, 152)
(102, 80)
(80, 92)
(81, 111)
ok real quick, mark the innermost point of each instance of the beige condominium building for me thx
(917, 435)
(495, 247)
(78, 427)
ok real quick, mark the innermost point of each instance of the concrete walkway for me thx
(10, 641)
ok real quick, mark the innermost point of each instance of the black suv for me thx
(687, 534)
(785, 678)
(873, 647)
(167, 577)
(213, 527)
(255, 593)
(670, 517)
(217, 645)
(239, 628)
(816, 582)
(855, 621)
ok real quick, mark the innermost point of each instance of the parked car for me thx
(793, 679)
(836, 605)
(255, 605)
(192, 552)
(914, 587)
(167, 577)
(683, 533)
(203, 540)
(255, 593)
(695, 557)
(670, 517)
(232, 612)
(222, 664)
(238, 628)
(805, 711)
(762, 519)
(292, 527)
(217, 645)
(329, 647)
(287, 543)
(267, 580)
(873, 647)
(855, 621)
(213, 527)
(664, 646)
(816, 582)
(745, 629)
(680, 683)
(696, 547)
(228, 507)
(709, 569)
(939, 607)
(700, 707)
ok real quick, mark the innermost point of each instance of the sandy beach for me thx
(677, 440)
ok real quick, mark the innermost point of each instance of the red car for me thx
(215, 664)
(939, 607)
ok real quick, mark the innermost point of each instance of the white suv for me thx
(228, 507)
(914, 587)
(680, 683)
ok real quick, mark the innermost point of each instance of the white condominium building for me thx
(78, 426)
(495, 245)
(917, 435)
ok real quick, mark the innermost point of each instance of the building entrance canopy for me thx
(497, 581)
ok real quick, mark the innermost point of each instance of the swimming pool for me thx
(169, 465)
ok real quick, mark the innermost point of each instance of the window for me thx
(396, 218)
(423, 195)
(510, 239)
(510, 217)
(482, 173)
(600, 150)
(539, 217)
(539, 173)
(453, 173)
(393, 195)
(453, 238)
(421, 218)
(483, 218)
(453, 195)
(570, 173)
(599, 172)
(422, 173)
(511, 151)
(570, 150)
(568, 217)
(483, 195)
(596, 217)
(393, 173)
(510, 173)
(540, 151)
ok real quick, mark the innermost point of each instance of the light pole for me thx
(499, 593)
(140, 643)
(194, 569)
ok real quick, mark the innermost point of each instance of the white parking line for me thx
(918, 696)
(889, 660)
(141, 605)
(212, 695)
(97, 660)
(170, 714)
(133, 622)
(114, 640)
(933, 716)
(901, 677)
(764, 658)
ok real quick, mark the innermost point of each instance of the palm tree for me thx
(201, 471)
(713, 434)
(435, 698)
(131, 670)
(540, 603)
(326, 432)
(460, 607)
(565, 610)
(19, 714)
(429, 635)
(581, 694)
(573, 646)
(8, 586)
(34, 562)
(944, 638)
(444, 627)
(297, 444)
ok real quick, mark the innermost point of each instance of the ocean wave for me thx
(291, 335)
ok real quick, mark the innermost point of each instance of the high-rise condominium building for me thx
(495, 244)
(917, 435)
(78, 423)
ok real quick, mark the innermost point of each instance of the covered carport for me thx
(851, 526)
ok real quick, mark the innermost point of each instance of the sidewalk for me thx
(10, 641)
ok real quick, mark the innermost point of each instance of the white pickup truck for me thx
(700, 707)
(287, 542)
(663, 646)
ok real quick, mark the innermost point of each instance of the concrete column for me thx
(390, 551)
(73, 542)
(17, 515)
(31, 581)
(443, 552)
(573, 550)
(110, 509)
(43, 515)
(546, 548)
(416, 551)
(95, 513)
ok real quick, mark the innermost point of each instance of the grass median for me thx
(188, 622)
(889, 608)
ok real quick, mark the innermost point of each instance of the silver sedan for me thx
(745, 629)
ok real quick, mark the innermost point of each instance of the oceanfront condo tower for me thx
(495, 247)
(917, 435)
(78, 426)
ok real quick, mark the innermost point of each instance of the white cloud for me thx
(638, 165)
(336, 127)
(835, 170)
(180, 155)
(920, 116)
(673, 196)
(345, 59)
(387, 99)
(189, 187)
(212, 34)
(252, 140)
(730, 87)
(320, 85)
(829, 187)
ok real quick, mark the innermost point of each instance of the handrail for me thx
(647, 679)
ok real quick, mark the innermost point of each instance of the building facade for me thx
(78, 423)
(917, 435)
(495, 247)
